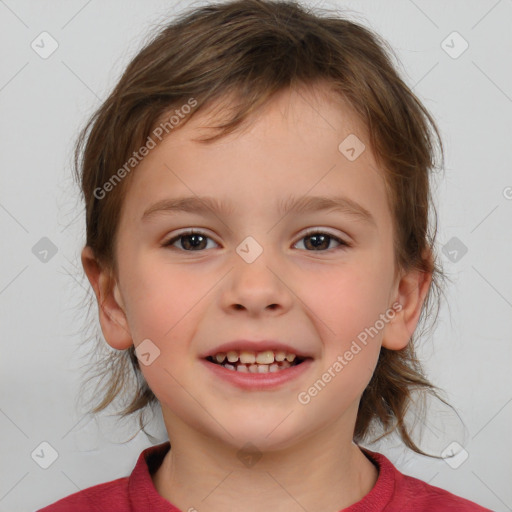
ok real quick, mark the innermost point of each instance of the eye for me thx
(321, 240)
(193, 240)
(190, 240)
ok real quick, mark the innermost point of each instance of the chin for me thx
(263, 433)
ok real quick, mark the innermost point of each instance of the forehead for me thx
(293, 146)
(316, 104)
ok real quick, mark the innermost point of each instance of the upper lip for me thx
(255, 346)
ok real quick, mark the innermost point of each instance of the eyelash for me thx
(343, 244)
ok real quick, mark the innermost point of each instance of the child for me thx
(257, 206)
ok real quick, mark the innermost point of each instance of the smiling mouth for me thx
(261, 362)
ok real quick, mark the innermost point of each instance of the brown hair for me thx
(252, 49)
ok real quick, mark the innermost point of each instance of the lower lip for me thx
(258, 381)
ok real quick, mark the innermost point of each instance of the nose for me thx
(257, 288)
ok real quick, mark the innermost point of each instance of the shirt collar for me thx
(144, 496)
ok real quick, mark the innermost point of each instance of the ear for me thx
(112, 316)
(409, 293)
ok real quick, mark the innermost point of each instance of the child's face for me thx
(189, 299)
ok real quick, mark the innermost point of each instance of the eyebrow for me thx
(307, 204)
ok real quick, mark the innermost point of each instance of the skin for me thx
(189, 302)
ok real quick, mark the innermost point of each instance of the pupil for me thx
(320, 239)
(188, 238)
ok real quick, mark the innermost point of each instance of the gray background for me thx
(43, 104)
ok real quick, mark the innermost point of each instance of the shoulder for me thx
(432, 498)
(113, 495)
(134, 492)
(409, 493)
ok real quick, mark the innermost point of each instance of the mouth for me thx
(266, 361)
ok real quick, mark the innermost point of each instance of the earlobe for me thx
(111, 311)
(411, 292)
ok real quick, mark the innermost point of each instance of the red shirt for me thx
(393, 492)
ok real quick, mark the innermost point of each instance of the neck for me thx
(325, 473)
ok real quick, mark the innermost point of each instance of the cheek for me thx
(345, 300)
(347, 304)
(347, 308)
(162, 306)
(162, 301)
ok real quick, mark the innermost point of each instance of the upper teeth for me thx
(246, 357)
